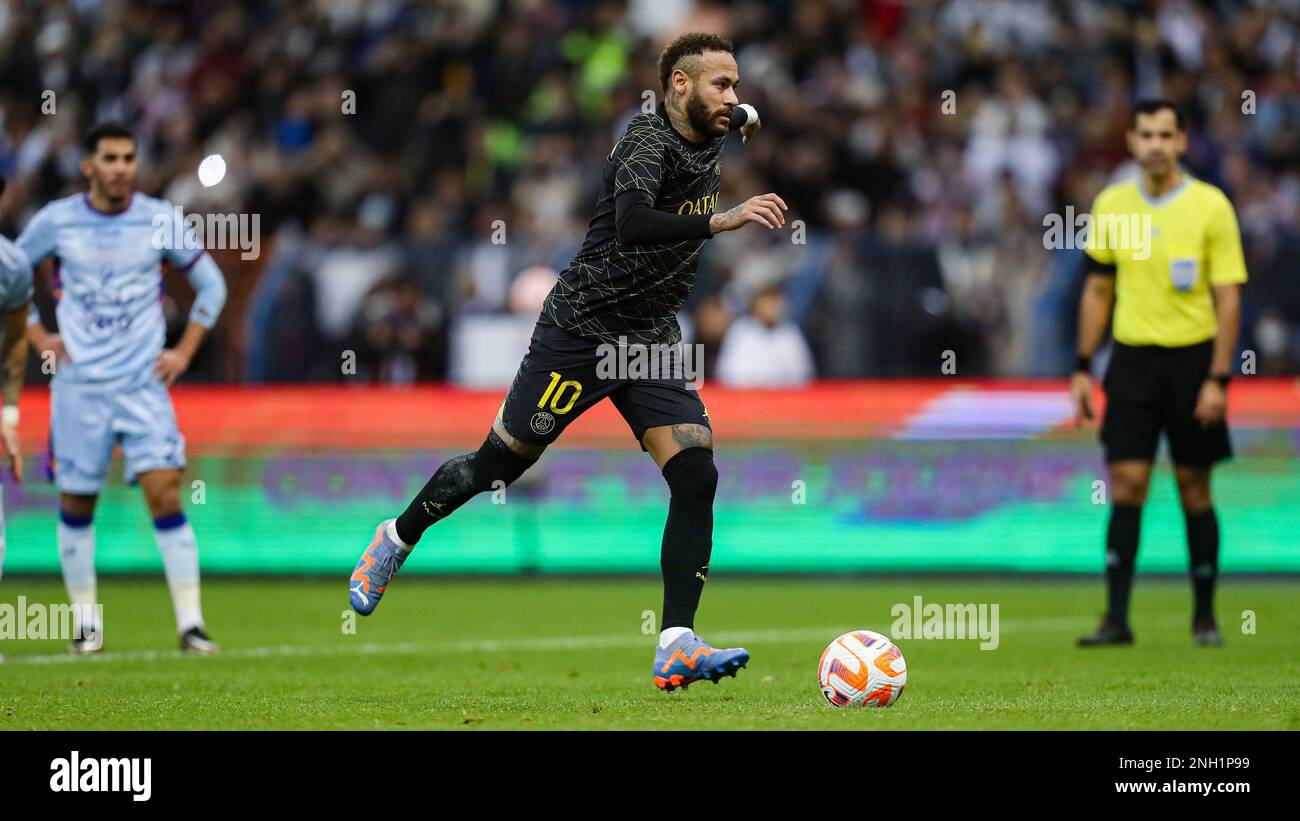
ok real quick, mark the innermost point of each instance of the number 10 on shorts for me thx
(558, 388)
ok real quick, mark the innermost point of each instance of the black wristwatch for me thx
(1083, 363)
(1222, 379)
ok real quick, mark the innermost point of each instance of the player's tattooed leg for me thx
(522, 448)
(692, 436)
(688, 533)
(666, 441)
(684, 453)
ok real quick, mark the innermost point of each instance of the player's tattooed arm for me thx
(765, 210)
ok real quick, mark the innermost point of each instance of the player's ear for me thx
(681, 80)
(85, 167)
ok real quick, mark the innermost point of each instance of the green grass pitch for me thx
(570, 653)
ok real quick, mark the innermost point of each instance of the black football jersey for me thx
(631, 293)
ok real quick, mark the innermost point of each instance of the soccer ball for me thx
(862, 669)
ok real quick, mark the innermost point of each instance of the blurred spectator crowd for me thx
(419, 164)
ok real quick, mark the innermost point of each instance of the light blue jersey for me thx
(108, 285)
(108, 282)
(15, 277)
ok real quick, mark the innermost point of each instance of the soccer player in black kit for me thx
(657, 207)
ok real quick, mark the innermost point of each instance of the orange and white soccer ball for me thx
(862, 669)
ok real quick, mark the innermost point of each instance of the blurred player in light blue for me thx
(111, 371)
(15, 294)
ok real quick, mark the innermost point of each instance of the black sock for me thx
(688, 534)
(1122, 536)
(1203, 547)
(457, 481)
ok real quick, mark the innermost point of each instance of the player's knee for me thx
(1127, 493)
(77, 505)
(163, 498)
(167, 494)
(1196, 501)
(1194, 492)
(692, 476)
(1129, 487)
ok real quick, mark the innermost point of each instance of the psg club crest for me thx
(542, 423)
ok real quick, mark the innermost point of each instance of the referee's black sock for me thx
(688, 534)
(457, 481)
(1122, 536)
(1203, 546)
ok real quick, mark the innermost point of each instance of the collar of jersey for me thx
(1168, 196)
(129, 201)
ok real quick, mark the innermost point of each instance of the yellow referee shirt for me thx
(1167, 254)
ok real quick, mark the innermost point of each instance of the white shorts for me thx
(87, 421)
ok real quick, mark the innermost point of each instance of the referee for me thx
(1165, 252)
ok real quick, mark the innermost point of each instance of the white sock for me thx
(180, 555)
(672, 634)
(77, 556)
(391, 531)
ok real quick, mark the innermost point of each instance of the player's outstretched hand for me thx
(171, 364)
(9, 435)
(765, 210)
(1081, 394)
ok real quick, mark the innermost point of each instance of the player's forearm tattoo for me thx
(717, 221)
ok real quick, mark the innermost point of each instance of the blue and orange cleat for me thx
(378, 565)
(691, 659)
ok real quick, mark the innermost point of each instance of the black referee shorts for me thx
(563, 375)
(1151, 388)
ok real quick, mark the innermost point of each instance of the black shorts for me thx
(1151, 388)
(563, 375)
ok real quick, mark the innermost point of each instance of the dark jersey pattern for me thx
(610, 290)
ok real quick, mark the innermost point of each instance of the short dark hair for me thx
(110, 129)
(690, 44)
(1151, 106)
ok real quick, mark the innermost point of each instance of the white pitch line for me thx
(1043, 625)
